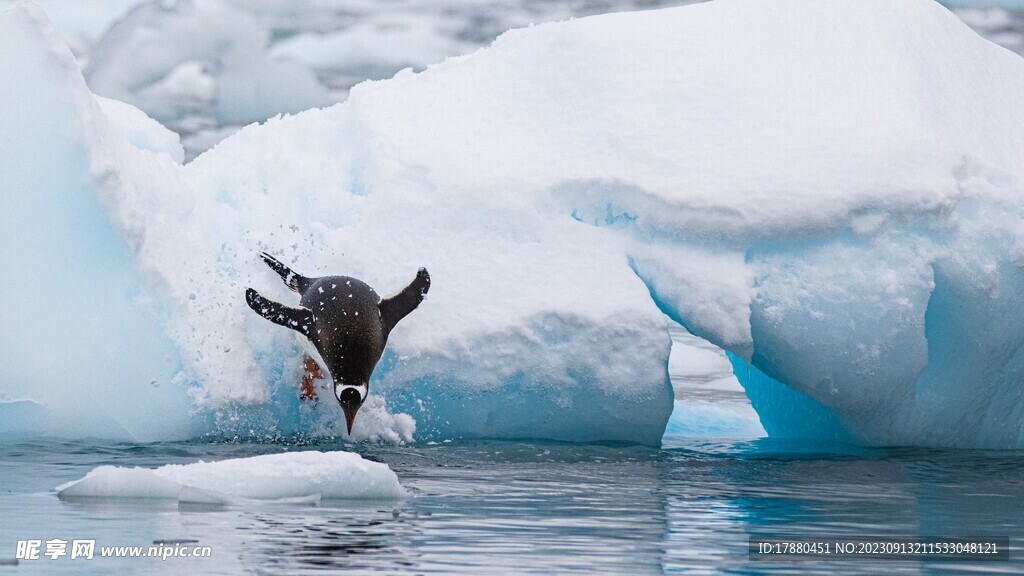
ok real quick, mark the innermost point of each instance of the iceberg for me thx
(217, 61)
(837, 205)
(84, 349)
(292, 476)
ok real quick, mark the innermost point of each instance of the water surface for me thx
(534, 508)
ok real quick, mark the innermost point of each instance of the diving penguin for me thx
(347, 323)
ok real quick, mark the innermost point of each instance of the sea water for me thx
(531, 508)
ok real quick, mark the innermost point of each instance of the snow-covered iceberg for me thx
(84, 351)
(307, 476)
(838, 204)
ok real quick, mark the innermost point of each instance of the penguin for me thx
(346, 322)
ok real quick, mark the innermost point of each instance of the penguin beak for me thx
(350, 415)
(350, 400)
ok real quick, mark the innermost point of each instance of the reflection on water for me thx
(515, 508)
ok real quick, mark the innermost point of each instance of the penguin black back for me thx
(350, 334)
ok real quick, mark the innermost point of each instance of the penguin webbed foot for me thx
(311, 373)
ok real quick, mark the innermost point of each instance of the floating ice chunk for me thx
(374, 48)
(189, 85)
(697, 419)
(21, 419)
(224, 63)
(698, 362)
(290, 475)
(113, 481)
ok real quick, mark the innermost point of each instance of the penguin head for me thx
(350, 397)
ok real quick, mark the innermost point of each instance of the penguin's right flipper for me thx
(298, 319)
(401, 303)
(297, 282)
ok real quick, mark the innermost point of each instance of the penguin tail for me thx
(296, 282)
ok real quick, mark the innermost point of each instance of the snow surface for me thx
(837, 204)
(303, 51)
(306, 476)
(140, 130)
(204, 67)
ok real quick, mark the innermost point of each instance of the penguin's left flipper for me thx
(401, 303)
(299, 319)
